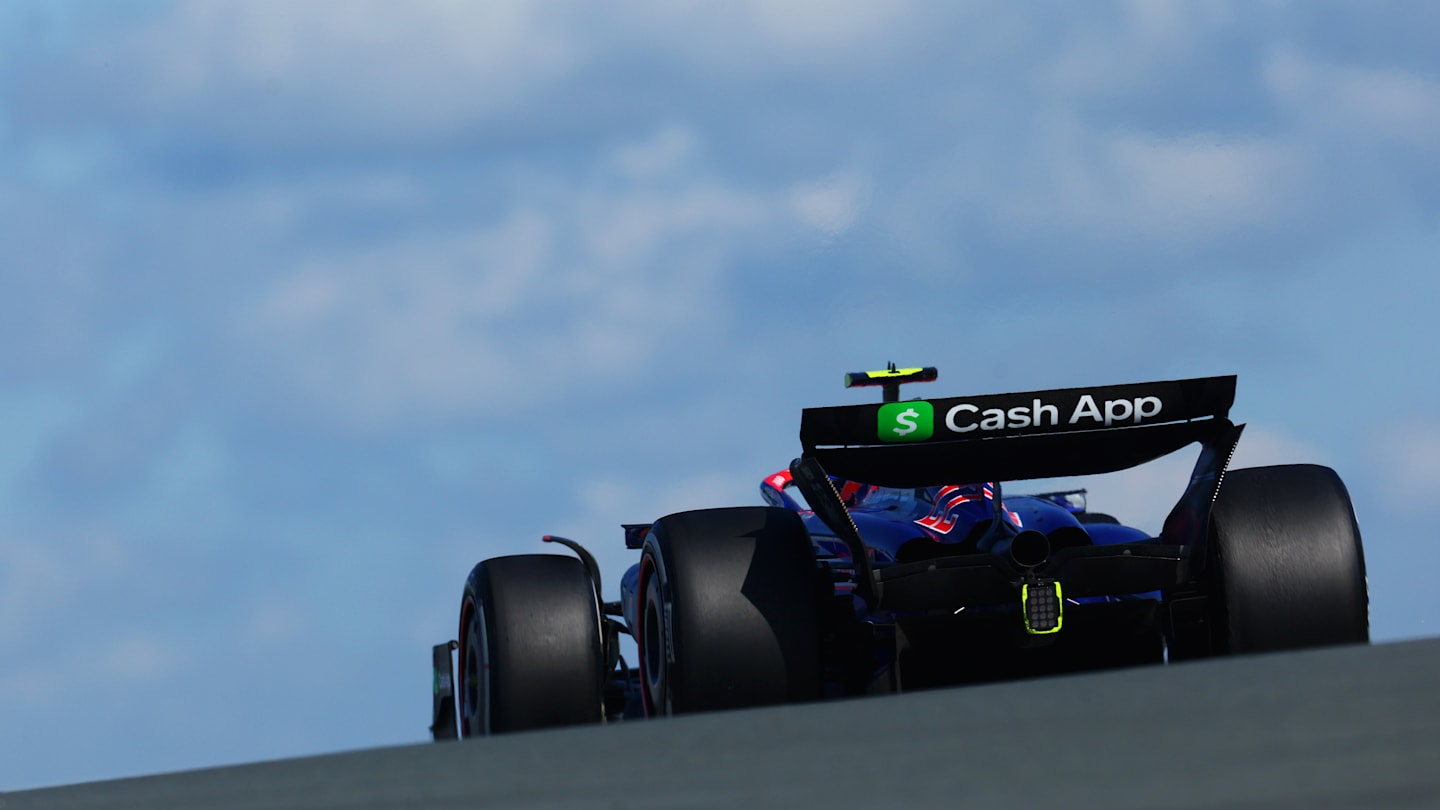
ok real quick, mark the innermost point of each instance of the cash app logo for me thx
(906, 422)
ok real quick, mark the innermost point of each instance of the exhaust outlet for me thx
(1029, 549)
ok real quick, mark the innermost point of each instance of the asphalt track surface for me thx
(1354, 727)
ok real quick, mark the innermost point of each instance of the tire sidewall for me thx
(473, 696)
(656, 642)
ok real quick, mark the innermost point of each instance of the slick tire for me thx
(729, 614)
(1287, 569)
(530, 651)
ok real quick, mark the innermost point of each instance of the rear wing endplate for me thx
(442, 713)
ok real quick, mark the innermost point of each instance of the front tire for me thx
(530, 653)
(728, 611)
(1287, 568)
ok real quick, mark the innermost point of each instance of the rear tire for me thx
(1287, 569)
(530, 650)
(728, 611)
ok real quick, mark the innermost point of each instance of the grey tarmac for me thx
(1352, 727)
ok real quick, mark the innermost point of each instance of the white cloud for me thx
(1124, 186)
(86, 663)
(1262, 447)
(1142, 496)
(830, 204)
(1406, 461)
(369, 335)
(273, 619)
(424, 73)
(1100, 56)
(824, 25)
(1357, 103)
(668, 151)
(46, 576)
(283, 73)
(558, 292)
(1202, 183)
(1163, 20)
(137, 658)
(418, 69)
(758, 39)
(621, 234)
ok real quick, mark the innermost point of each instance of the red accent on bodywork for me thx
(942, 517)
(780, 480)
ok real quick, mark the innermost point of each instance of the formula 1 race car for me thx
(902, 565)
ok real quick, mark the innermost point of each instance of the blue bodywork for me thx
(903, 525)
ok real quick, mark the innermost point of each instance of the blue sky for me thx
(307, 307)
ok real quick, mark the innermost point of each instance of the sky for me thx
(307, 307)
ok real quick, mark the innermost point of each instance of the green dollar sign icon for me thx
(906, 421)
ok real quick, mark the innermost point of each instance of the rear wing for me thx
(1010, 437)
(1018, 436)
